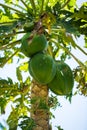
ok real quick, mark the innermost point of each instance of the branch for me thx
(9, 44)
(76, 59)
(65, 4)
(33, 5)
(19, 12)
(11, 34)
(8, 58)
(19, 6)
(5, 23)
(80, 49)
(42, 6)
(25, 4)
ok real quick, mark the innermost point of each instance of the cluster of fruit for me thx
(57, 75)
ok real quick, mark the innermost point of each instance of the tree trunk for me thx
(39, 106)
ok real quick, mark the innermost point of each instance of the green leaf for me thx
(72, 3)
(7, 27)
(33, 5)
(24, 67)
(27, 123)
(8, 88)
(52, 2)
(3, 103)
(85, 41)
(18, 74)
(59, 128)
(13, 119)
(71, 40)
(10, 80)
(8, 1)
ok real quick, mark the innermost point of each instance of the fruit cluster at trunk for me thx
(57, 75)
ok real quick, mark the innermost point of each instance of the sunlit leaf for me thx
(5, 19)
(8, 1)
(10, 61)
(52, 2)
(15, 16)
(24, 67)
(72, 3)
(86, 77)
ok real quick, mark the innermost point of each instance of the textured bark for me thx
(39, 93)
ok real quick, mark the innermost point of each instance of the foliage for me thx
(59, 128)
(27, 123)
(62, 22)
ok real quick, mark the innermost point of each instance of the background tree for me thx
(61, 22)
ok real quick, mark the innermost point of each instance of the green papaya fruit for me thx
(42, 68)
(62, 83)
(37, 44)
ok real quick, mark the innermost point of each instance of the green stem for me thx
(9, 45)
(19, 6)
(80, 49)
(42, 6)
(25, 4)
(8, 58)
(76, 59)
(11, 34)
(6, 6)
(5, 23)
(50, 50)
(65, 4)
(33, 5)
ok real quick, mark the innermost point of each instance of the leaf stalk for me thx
(19, 12)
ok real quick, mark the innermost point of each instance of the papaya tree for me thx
(40, 35)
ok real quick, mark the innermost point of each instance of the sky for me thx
(70, 116)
